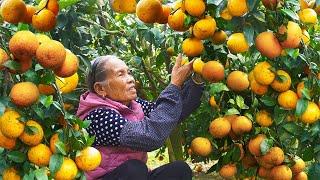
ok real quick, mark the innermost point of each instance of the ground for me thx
(154, 162)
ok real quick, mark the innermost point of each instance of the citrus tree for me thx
(259, 61)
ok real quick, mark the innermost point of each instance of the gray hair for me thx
(97, 72)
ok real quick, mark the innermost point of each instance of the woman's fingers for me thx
(178, 60)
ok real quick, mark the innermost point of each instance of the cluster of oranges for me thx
(43, 17)
(26, 51)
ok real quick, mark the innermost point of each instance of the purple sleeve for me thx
(191, 95)
(150, 133)
(147, 106)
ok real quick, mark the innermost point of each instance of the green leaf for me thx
(17, 156)
(66, 3)
(14, 65)
(55, 163)
(249, 33)
(279, 115)
(31, 130)
(260, 16)
(46, 101)
(314, 171)
(290, 13)
(29, 176)
(232, 111)
(308, 154)
(217, 88)
(60, 147)
(265, 146)
(236, 154)
(301, 107)
(294, 53)
(268, 101)
(292, 128)
(214, 2)
(240, 103)
(2, 108)
(41, 174)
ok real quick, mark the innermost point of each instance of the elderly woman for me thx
(126, 127)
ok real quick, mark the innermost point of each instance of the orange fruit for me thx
(305, 4)
(24, 94)
(275, 156)
(305, 37)
(195, 7)
(88, 159)
(268, 45)
(163, 18)
(254, 144)
(3, 58)
(241, 125)
(213, 102)
(201, 146)
(258, 88)
(237, 7)
(176, 20)
(219, 37)
(67, 85)
(293, 34)
(124, 6)
(29, 13)
(213, 71)
(198, 65)
(300, 87)
(299, 165)
(42, 38)
(228, 171)
(46, 89)
(270, 4)
(288, 99)
(225, 14)
(32, 138)
(237, 43)
(263, 118)
(311, 114)
(264, 172)
(10, 125)
(45, 20)
(11, 174)
(39, 155)
(204, 28)
(24, 65)
(54, 138)
(179, 4)
(282, 82)
(148, 10)
(300, 176)
(282, 172)
(51, 54)
(308, 16)
(7, 143)
(192, 47)
(170, 51)
(53, 6)
(67, 171)
(238, 81)
(219, 128)
(263, 74)
(13, 11)
(69, 67)
(23, 44)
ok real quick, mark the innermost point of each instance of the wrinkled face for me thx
(119, 84)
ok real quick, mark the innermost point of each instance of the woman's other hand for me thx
(180, 72)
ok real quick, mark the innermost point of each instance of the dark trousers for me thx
(137, 170)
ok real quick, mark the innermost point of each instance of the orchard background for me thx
(259, 116)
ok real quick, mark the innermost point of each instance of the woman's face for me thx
(120, 84)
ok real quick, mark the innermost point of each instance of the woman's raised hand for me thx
(180, 72)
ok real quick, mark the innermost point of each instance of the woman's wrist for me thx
(197, 79)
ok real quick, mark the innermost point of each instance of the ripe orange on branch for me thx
(45, 20)
(219, 127)
(23, 44)
(13, 11)
(201, 146)
(51, 54)
(268, 45)
(24, 94)
(213, 71)
(148, 10)
(88, 159)
(192, 47)
(238, 81)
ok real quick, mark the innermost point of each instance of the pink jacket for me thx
(112, 157)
